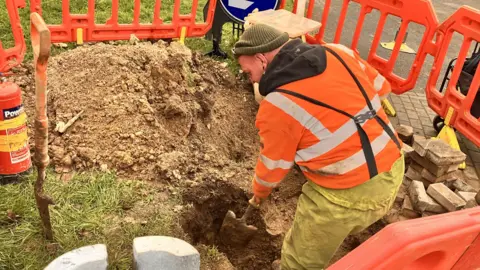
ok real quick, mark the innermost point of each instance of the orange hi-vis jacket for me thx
(322, 111)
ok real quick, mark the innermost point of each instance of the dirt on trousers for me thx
(160, 112)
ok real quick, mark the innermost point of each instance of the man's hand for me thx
(256, 201)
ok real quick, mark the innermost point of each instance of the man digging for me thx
(321, 110)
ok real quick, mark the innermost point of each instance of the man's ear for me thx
(261, 57)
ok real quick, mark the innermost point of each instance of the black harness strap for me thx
(358, 119)
(365, 96)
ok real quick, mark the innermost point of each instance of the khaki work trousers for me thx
(325, 217)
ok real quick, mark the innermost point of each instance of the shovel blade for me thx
(235, 231)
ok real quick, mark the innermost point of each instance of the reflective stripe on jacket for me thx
(325, 144)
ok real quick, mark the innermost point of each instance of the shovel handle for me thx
(248, 213)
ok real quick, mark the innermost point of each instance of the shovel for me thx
(235, 231)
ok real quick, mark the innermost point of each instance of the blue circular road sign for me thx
(239, 9)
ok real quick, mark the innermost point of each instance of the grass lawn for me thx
(93, 207)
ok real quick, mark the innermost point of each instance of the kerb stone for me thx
(164, 253)
(93, 257)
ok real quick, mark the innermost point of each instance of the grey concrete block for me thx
(438, 151)
(424, 173)
(406, 181)
(401, 194)
(405, 133)
(413, 174)
(93, 257)
(444, 196)
(164, 253)
(466, 196)
(462, 186)
(421, 201)
(432, 167)
(407, 209)
(407, 151)
(471, 204)
(451, 176)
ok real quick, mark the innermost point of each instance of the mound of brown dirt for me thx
(152, 112)
(159, 112)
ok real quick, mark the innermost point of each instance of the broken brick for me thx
(473, 183)
(438, 152)
(417, 167)
(407, 209)
(436, 170)
(462, 186)
(471, 204)
(451, 176)
(401, 194)
(405, 133)
(424, 173)
(470, 173)
(407, 181)
(466, 196)
(407, 151)
(421, 201)
(445, 197)
(415, 175)
(394, 216)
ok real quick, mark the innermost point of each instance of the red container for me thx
(14, 148)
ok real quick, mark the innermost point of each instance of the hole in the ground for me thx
(211, 201)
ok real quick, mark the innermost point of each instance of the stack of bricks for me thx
(433, 183)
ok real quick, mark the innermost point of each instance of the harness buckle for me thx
(362, 118)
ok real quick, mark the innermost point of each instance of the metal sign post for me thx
(233, 11)
(237, 10)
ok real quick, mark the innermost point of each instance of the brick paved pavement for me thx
(412, 110)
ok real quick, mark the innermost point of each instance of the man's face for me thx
(253, 65)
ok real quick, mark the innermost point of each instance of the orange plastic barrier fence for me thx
(413, 11)
(13, 56)
(434, 243)
(465, 21)
(77, 27)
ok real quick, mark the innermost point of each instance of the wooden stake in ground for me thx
(41, 43)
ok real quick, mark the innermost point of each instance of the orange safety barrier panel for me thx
(13, 56)
(432, 243)
(73, 24)
(465, 21)
(471, 258)
(412, 11)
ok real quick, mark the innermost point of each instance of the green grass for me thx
(92, 208)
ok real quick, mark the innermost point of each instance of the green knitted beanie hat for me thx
(259, 38)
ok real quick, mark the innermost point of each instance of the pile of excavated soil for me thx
(150, 112)
(159, 112)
